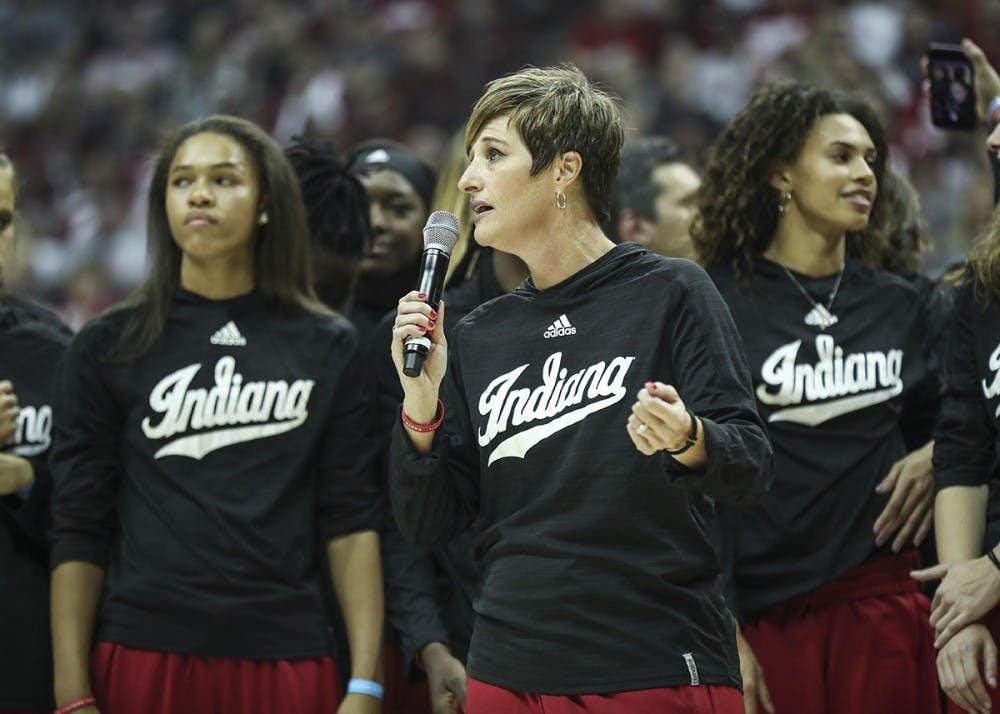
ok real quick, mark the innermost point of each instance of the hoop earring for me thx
(561, 200)
(783, 201)
(262, 219)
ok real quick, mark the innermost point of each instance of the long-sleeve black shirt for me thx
(429, 594)
(32, 341)
(598, 574)
(966, 436)
(834, 402)
(205, 475)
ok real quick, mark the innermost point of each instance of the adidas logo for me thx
(379, 156)
(560, 328)
(229, 336)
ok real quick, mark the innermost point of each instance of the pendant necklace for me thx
(820, 315)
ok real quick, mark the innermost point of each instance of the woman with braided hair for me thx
(337, 209)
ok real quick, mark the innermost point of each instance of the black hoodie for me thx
(597, 570)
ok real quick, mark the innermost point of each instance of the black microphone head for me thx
(441, 231)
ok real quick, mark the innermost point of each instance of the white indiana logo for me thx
(847, 383)
(33, 431)
(503, 406)
(261, 409)
(993, 389)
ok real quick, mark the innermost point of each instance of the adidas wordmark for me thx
(560, 328)
(229, 336)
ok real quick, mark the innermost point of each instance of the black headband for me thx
(399, 159)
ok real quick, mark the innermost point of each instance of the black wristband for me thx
(993, 558)
(692, 437)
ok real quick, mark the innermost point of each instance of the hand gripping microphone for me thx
(440, 236)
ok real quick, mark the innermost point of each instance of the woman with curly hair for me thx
(837, 353)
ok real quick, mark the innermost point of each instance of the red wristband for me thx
(76, 704)
(424, 428)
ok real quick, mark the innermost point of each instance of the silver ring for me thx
(641, 428)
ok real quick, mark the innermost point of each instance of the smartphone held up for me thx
(952, 93)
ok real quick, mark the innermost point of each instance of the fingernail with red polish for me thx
(422, 296)
(430, 324)
(434, 314)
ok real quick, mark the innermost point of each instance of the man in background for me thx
(653, 197)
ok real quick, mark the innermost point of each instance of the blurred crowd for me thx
(87, 88)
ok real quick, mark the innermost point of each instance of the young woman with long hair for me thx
(214, 434)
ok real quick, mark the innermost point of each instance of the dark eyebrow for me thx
(223, 165)
(852, 147)
(487, 139)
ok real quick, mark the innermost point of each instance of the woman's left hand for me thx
(360, 704)
(8, 411)
(963, 665)
(910, 508)
(659, 419)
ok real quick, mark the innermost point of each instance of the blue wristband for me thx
(366, 686)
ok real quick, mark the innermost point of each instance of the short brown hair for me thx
(557, 109)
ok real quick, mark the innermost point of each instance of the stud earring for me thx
(561, 200)
(262, 219)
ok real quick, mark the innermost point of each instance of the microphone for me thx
(440, 237)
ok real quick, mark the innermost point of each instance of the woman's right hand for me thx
(416, 319)
(755, 689)
(987, 81)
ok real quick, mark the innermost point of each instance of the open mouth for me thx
(479, 210)
(859, 199)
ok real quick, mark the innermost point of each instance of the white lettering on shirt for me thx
(261, 409)
(601, 384)
(993, 389)
(33, 431)
(835, 385)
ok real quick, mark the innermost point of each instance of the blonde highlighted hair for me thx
(983, 264)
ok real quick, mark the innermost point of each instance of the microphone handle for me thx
(433, 269)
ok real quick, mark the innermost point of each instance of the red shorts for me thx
(127, 681)
(401, 695)
(862, 644)
(992, 621)
(486, 699)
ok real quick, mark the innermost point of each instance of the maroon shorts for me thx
(401, 695)
(862, 644)
(992, 621)
(127, 681)
(486, 699)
